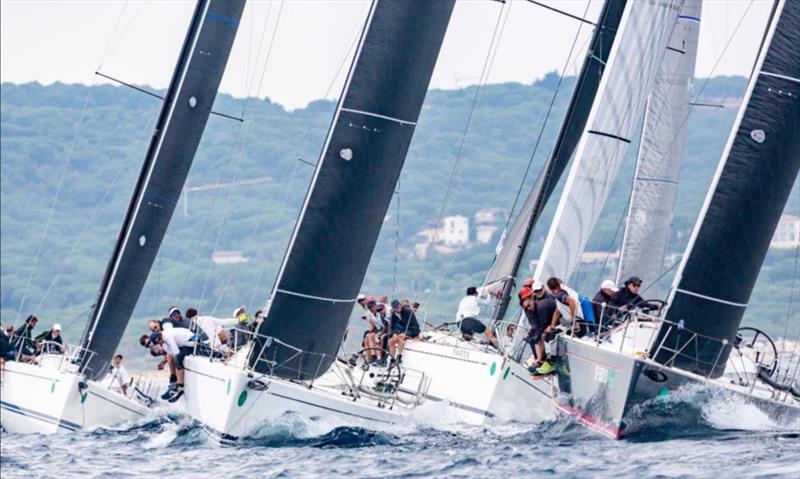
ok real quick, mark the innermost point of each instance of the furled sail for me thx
(655, 183)
(503, 273)
(352, 187)
(180, 126)
(633, 64)
(738, 219)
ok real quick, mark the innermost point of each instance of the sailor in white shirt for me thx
(117, 378)
(470, 305)
(177, 342)
(211, 326)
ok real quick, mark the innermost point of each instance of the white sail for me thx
(635, 60)
(655, 183)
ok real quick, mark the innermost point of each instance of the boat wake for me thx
(701, 410)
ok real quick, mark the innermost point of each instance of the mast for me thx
(507, 263)
(742, 209)
(634, 61)
(655, 183)
(349, 195)
(180, 126)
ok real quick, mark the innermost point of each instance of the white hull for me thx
(479, 385)
(232, 401)
(47, 398)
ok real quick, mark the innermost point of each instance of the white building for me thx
(787, 234)
(483, 233)
(454, 230)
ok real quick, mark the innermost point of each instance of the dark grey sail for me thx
(180, 126)
(507, 263)
(753, 182)
(349, 195)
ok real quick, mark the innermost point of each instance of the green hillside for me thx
(95, 138)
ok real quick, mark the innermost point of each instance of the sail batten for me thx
(349, 194)
(187, 106)
(636, 56)
(655, 184)
(747, 196)
(513, 246)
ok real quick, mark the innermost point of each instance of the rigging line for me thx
(113, 33)
(291, 169)
(160, 97)
(95, 212)
(215, 196)
(791, 297)
(562, 12)
(396, 241)
(237, 166)
(544, 123)
(450, 184)
(48, 222)
(114, 43)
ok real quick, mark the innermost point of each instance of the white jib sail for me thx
(647, 227)
(633, 64)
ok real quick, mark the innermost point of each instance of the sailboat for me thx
(291, 364)
(610, 381)
(63, 391)
(631, 36)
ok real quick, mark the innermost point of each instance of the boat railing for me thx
(64, 357)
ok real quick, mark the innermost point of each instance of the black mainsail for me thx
(349, 195)
(507, 263)
(180, 126)
(753, 182)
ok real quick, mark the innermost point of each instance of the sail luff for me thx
(330, 248)
(507, 263)
(747, 196)
(641, 41)
(184, 113)
(655, 183)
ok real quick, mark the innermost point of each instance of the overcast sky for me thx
(138, 42)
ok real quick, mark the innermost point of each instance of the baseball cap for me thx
(239, 310)
(608, 284)
(537, 285)
(525, 293)
(173, 310)
(633, 280)
(56, 327)
(395, 303)
(371, 304)
(361, 297)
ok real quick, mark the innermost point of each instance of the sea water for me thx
(727, 439)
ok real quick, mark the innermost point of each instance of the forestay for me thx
(180, 126)
(738, 219)
(353, 184)
(506, 265)
(635, 60)
(655, 183)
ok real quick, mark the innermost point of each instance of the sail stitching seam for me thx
(711, 298)
(778, 75)
(318, 298)
(376, 115)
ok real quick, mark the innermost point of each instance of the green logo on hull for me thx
(84, 396)
(242, 398)
(493, 368)
(505, 374)
(52, 388)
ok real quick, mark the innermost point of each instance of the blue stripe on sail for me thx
(655, 180)
(222, 18)
(687, 17)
